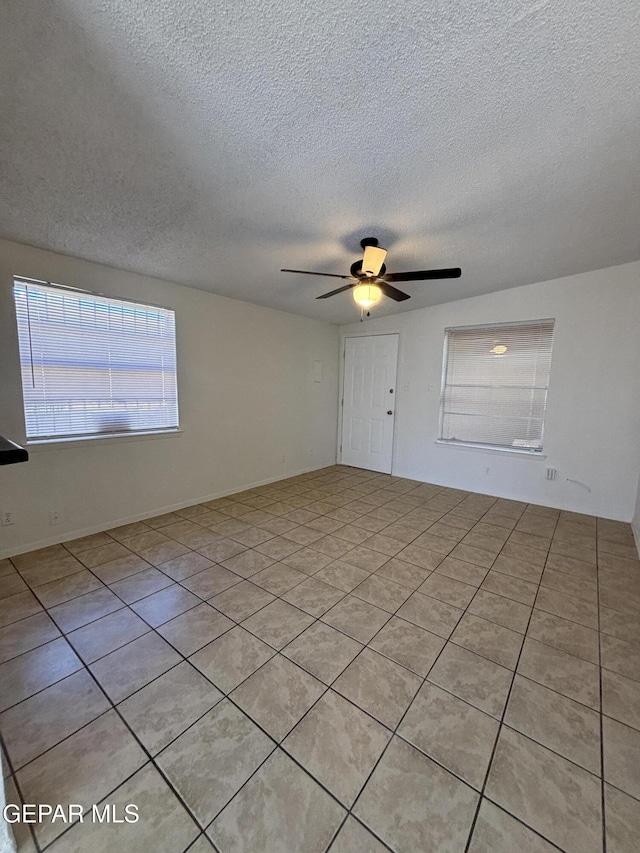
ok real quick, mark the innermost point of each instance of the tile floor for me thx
(342, 661)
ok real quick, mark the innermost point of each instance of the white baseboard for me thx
(55, 539)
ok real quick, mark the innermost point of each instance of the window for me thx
(92, 365)
(495, 381)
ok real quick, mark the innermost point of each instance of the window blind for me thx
(495, 383)
(93, 365)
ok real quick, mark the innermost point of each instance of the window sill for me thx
(89, 441)
(509, 451)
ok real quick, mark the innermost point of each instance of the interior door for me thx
(368, 405)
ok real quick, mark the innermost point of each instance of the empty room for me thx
(319, 426)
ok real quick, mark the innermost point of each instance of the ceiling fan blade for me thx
(307, 272)
(392, 292)
(423, 275)
(339, 290)
(372, 260)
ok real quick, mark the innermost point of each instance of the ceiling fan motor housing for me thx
(356, 270)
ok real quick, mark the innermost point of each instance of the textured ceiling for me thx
(213, 143)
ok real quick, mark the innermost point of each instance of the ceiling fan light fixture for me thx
(499, 349)
(367, 295)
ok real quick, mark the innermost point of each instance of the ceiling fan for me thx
(370, 281)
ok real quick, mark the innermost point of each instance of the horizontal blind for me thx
(94, 365)
(495, 384)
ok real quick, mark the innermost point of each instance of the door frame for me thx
(343, 340)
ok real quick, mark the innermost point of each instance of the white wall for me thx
(246, 396)
(593, 411)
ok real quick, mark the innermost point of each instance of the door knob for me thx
(389, 412)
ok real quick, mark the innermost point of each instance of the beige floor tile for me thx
(566, 674)
(342, 575)
(87, 543)
(338, 744)
(222, 549)
(322, 651)
(429, 613)
(357, 618)
(103, 636)
(624, 626)
(163, 709)
(231, 658)
(11, 585)
(211, 581)
(182, 567)
(40, 722)
(249, 563)
(421, 557)
(405, 574)
(623, 821)
(517, 569)
(277, 547)
(278, 623)
(454, 733)
(481, 682)
(126, 531)
(448, 589)
(164, 825)
(84, 609)
(388, 804)
(140, 585)
(277, 695)
(556, 798)
(513, 588)
(348, 532)
(555, 721)
(146, 539)
(384, 544)
(162, 606)
(18, 607)
(123, 567)
(21, 831)
(621, 698)
(82, 769)
(278, 579)
(382, 592)
(354, 838)
(563, 634)
(568, 607)
(35, 670)
(497, 832)
(258, 819)
(582, 588)
(130, 667)
(621, 747)
(501, 645)
(378, 686)
(307, 560)
(20, 637)
(621, 657)
(47, 572)
(211, 761)
(314, 596)
(67, 588)
(102, 554)
(240, 601)
(303, 535)
(194, 629)
(502, 611)
(408, 645)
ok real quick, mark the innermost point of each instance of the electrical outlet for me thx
(284, 459)
(550, 473)
(6, 518)
(487, 472)
(55, 516)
